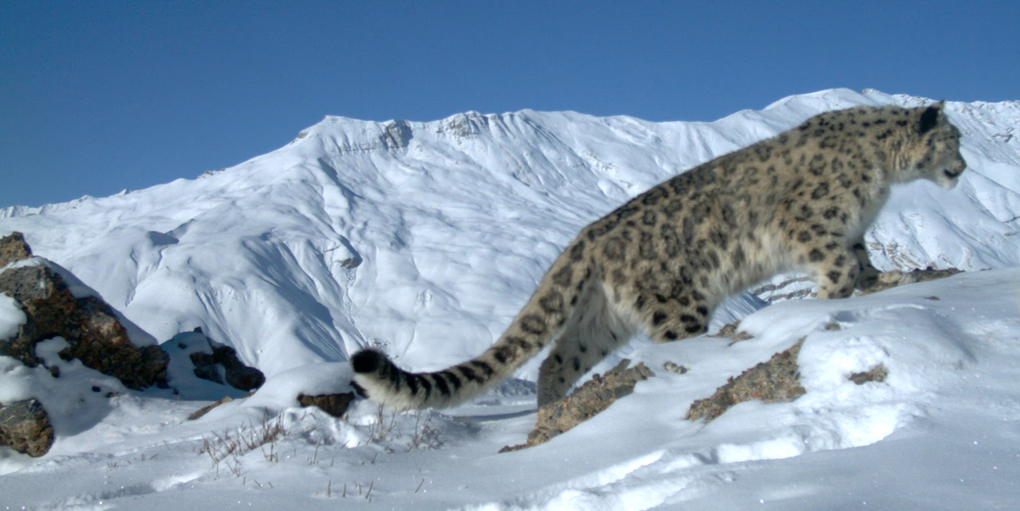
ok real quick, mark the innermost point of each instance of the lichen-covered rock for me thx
(773, 381)
(89, 325)
(25, 427)
(585, 402)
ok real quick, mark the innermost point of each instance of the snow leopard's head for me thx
(933, 151)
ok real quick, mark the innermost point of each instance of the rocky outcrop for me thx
(584, 403)
(25, 427)
(94, 335)
(89, 325)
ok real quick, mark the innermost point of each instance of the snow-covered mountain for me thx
(426, 238)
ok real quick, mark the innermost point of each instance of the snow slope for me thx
(426, 238)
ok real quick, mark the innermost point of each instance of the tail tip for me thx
(367, 361)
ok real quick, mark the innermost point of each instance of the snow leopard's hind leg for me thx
(595, 332)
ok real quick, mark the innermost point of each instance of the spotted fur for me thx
(662, 262)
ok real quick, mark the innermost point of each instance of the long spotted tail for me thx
(379, 379)
(541, 320)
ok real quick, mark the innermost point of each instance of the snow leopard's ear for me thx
(930, 117)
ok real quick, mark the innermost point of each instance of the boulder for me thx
(25, 427)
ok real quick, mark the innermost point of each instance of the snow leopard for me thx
(662, 262)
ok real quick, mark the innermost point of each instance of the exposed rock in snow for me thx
(25, 427)
(585, 402)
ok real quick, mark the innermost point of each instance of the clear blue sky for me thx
(98, 96)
